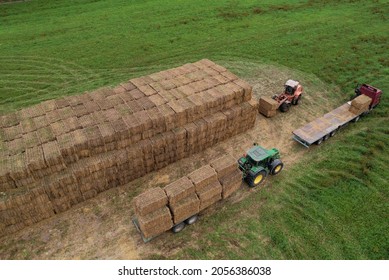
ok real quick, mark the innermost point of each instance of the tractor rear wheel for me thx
(179, 227)
(255, 180)
(276, 166)
(284, 107)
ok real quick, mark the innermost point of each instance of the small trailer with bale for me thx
(367, 98)
(179, 203)
(292, 94)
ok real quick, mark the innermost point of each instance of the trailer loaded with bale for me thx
(366, 99)
(179, 203)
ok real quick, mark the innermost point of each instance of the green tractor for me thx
(258, 163)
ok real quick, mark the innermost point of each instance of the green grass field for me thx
(332, 204)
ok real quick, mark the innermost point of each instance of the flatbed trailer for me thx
(326, 126)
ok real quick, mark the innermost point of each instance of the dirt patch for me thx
(101, 228)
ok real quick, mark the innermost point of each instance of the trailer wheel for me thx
(333, 133)
(325, 138)
(257, 179)
(356, 119)
(318, 142)
(178, 228)
(284, 107)
(192, 220)
(276, 167)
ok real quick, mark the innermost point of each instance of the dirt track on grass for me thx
(101, 228)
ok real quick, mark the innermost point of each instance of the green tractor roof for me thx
(257, 153)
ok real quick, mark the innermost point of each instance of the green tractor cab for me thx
(258, 163)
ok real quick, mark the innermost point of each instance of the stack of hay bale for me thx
(268, 106)
(152, 212)
(183, 201)
(187, 196)
(360, 104)
(79, 146)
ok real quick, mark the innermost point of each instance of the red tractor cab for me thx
(372, 92)
(291, 96)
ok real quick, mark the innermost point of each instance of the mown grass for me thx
(333, 204)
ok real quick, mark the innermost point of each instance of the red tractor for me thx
(292, 94)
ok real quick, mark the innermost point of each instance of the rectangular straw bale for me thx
(121, 129)
(49, 105)
(155, 222)
(87, 120)
(119, 89)
(157, 99)
(12, 132)
(107, 132)
(128, 86)
(94, 137)
(31, 139)
(15, 146)
(66, 112)
(27, 125)
(185, 208)
(268, 103)
(267, 113)
(180, 113)
(61, 103)
(18, 167)
(179, 190)
(66, 146)
(210, 191)
(150, 200)
(136, 94)
(361, 101)
(147, 90)
(115, 99)
(169, 116)
(224, 165)
(205, 203)
(91, 106)
(145, 103)
(123, 109)
(134, 106)
(80, 140)
(230, 188)
(233, 177)
(80, 110)
(52, 153)
(35, 158)
(203, 177)
(246, 87)
(11, 119)
(111, 114)
(179, 133)
(40, 121)
(144, 120)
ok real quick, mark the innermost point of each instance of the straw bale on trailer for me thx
(360, 104)
(185, 208)
(210, 194)
(203, 177)
(179, 190)
(155, 222)
(150, 201)
(224, 165)
(230, 183)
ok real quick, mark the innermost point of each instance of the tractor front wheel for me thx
(284, 107)
(276, 167)
(257, 179)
